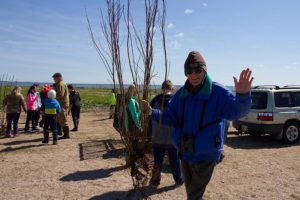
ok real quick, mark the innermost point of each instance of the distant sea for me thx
(88, 85)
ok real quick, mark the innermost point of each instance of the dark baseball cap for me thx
(57, 75)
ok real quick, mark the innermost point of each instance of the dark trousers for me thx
(50, 121)
(12, 118)
(37, 117)
(112, 111)
(30, 117)
(196, 177)
(159, 153)
(75, 111)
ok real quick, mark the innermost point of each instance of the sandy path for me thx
(90, 166)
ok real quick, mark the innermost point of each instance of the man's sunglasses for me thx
(197, 70)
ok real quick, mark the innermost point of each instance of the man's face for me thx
(195, 77)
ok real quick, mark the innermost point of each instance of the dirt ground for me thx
(91, 166)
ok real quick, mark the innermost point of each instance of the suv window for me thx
(296, 98)
(283, 99)
(259, 100)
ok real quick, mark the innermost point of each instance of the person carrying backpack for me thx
(162, 139)
(74, 106)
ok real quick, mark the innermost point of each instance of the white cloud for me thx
(171, 26)
(179, 35)
(175, 45)
(188, 11)
(295, 63)
(204, 5)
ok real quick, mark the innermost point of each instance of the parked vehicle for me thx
(275, 110)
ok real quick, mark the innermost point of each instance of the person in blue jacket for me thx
(52, 109)
(199, 112)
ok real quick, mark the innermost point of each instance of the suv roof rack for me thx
(276, 87)
(291, 87)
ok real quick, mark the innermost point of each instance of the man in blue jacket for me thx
(198, 112)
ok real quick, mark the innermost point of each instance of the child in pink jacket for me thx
(31, 104)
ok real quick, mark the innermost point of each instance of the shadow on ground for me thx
(102, 119)
(92, 174)
(131, 194)
(11, 149)
(107, 148)
(22, 142)
(255, 142)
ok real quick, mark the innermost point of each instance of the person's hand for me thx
(145, 106)
(243, 85)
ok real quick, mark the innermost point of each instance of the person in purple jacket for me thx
(52, 109)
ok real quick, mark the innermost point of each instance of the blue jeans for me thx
(12, 118)
(159, 153)
(49, 120)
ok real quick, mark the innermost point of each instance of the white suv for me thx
(275, 110)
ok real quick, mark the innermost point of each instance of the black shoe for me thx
(66, 132)
(179, 183)
(64, 137)
(35, 129)
(27, 131)
(54, 142)
(45, 141)
(74, 129)
(154, 184)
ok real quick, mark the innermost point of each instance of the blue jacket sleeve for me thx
(235, 106)
(170, 116)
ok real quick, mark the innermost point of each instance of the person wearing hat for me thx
(62, 96)
(162, 139)
(198, 112)
(52, 109)
(44, 96)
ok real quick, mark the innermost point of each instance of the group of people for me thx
(47, 108)
(191, 125)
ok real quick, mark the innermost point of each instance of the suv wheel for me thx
(290, 132)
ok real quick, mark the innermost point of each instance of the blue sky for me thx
(39, 38)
